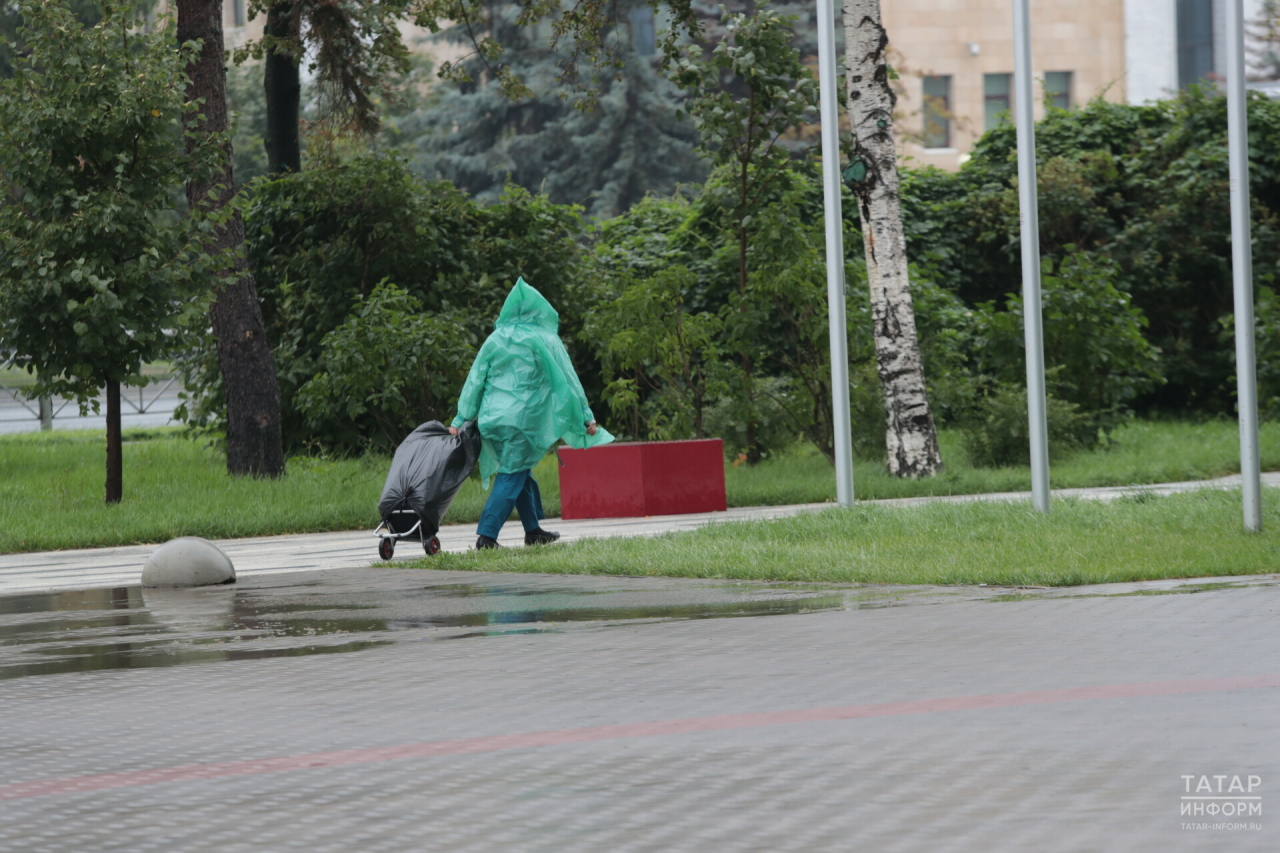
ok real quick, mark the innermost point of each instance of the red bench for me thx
(631, 479)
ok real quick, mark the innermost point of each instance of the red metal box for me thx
(628, 479)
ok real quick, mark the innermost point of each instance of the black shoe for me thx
(540, 537)
(484, 542)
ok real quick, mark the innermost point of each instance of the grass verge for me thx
(51, 484)
(51, 493)
(1080, 542)
(1141, 452)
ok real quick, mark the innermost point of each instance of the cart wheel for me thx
(386, 547)
(432, 546)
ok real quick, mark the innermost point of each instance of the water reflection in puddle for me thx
(128, 627)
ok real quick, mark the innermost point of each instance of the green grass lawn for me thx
(1142, 452)
(51, 484)
(1079, 542)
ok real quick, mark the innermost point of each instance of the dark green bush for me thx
(1143, 187)
(386, 369)
(1097, 356)
(321, 240)
(995, 431)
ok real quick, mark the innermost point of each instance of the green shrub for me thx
(1095, 350)
(321, 240)
(1143, 186)
(1267, 332)
(776, 408)
(388, 368)
(995, 431)
(866, 410)
(648, 339)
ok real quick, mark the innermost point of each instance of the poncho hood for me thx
(522, 390)
(526, 306)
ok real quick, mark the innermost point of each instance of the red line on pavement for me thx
(498, 743)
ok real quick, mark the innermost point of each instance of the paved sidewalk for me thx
(102, 567)
(368, 710)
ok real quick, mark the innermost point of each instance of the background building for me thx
(955, 58)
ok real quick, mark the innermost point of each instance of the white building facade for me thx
(1170, 44)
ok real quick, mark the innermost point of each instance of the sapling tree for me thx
(744, 98)
(650, 341)
(96, 265)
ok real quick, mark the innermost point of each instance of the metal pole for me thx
(830, 116)
(1242, 268)
(1030, 234)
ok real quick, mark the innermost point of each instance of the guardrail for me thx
(20, 413)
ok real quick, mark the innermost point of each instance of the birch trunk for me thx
(910, 434)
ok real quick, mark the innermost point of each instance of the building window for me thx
(1195, 41)
(1057, 89)
(995, 97)
(643, 35)
(937, 112)
(237, 12)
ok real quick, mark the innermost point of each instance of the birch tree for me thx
(872, 174)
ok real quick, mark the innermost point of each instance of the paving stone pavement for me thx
(199, 679)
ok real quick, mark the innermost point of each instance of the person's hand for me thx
(453, 430)
(592, 428)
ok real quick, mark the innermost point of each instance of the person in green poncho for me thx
(524, 395)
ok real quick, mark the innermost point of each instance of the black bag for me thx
(427, 471)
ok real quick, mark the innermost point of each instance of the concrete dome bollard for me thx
(188, 561)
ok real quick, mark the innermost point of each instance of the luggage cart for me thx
(403, 524)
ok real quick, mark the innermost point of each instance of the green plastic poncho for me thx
(522, 390)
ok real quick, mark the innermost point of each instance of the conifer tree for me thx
(605, 156)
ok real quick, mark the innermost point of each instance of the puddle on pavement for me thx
(129, 627)
(1137, 588)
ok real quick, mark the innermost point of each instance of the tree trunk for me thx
(284, 94)
(244, 354)
(115, 466)
(911, 436)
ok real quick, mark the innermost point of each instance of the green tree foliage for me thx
(605, 156)
(322, 240)
(352, 50)
(247, 104)
(769, 93)
(742, 132)
(13, 44)
(387, 368)
(649, 338)
(1263, 40)
(1142, 188)
(97, 265)
(581, 33)
(1093, 340)
(785, 307)
(1101, 362)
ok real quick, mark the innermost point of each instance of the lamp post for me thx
(1242, 268)
(830, 117)
(1028, 206)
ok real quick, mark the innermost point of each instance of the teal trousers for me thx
(518, 491)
